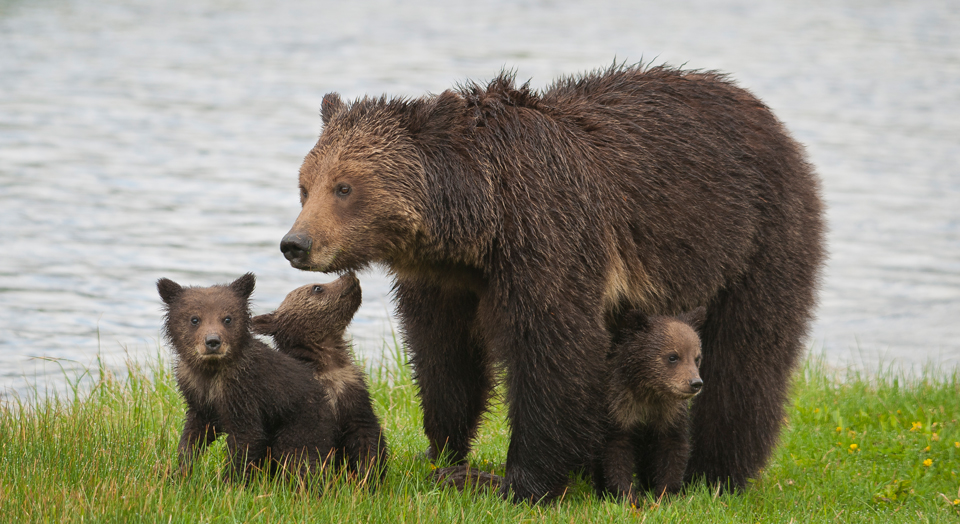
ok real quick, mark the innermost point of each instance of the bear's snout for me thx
(696, 385)
(212, 343)
(296, 248)
(351, 284)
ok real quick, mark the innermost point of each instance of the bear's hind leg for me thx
(751, 342)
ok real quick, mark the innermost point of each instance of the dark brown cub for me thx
(310, 325)
(654, 371)
(274, 414)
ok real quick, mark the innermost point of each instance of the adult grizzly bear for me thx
(518, 225)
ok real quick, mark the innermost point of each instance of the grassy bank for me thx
(854, 449)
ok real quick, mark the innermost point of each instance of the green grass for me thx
(106, 455)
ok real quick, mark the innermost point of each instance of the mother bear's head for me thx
(363, 189)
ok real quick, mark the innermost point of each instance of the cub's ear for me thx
(330, 106)
(169, 290)
(264, 324)
(243, 286)
(435, 117)
(695, 318)
(629, 323)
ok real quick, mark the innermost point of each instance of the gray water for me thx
(146, 139)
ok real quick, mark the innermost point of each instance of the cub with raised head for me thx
(654, 372)
(309, 325)
(275, 415)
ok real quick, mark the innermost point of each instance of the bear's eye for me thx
(318, 289)
(303, 195)
(698, 361)
(673, 359)
(194, 320)
(343, 190)
(227, 320)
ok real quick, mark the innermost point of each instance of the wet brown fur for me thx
(274, 414)
(519, 225)
(654, 372)
(310, 325)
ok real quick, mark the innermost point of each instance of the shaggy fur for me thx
(310, 325)
(654, 372)
(519, 225)
(274, 414)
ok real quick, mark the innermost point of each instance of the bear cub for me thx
(310, 325)
(275, 415)
(654, 371)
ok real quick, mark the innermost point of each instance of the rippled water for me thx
(147, 139)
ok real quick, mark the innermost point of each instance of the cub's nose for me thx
(212, 342)
(696, 384)
(352, 284)
(296, 246)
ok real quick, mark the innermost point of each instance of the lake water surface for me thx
(146, 139)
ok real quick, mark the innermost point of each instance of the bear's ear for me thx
(330, 106)
(169, 290)
(243, 286)
(629, 323)
(695, 318)
(264, 324)
(435, 117)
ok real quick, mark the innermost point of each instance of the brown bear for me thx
(518, 225)
(310, 325)
(275, 415)
(653, 373)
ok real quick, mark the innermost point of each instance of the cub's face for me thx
(679, 358)
(658, 356)
(359, 192)
(207, 325)
(313, 314)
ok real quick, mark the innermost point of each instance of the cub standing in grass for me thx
(654, 372)
(275, 415)
(309, 325)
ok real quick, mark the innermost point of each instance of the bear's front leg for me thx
(198, 432)
(613, 474)
(554, 357)
(247, 451)
(449, 365)
(672, 454)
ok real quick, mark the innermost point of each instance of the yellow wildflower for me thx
(956, 444)
(854, 447)
(839, 429)
(926, 448)
(934, 437)
(917, 426)
(928, 462)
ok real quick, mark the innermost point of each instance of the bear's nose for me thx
(295, 246)
(696, 384)
(353, 283)
(212, 342)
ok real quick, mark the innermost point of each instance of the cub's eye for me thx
(303, 195)
(318, 289)
(698, 361)
(194, 320)
(673, 359)
(227, 320)
(343, 190)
